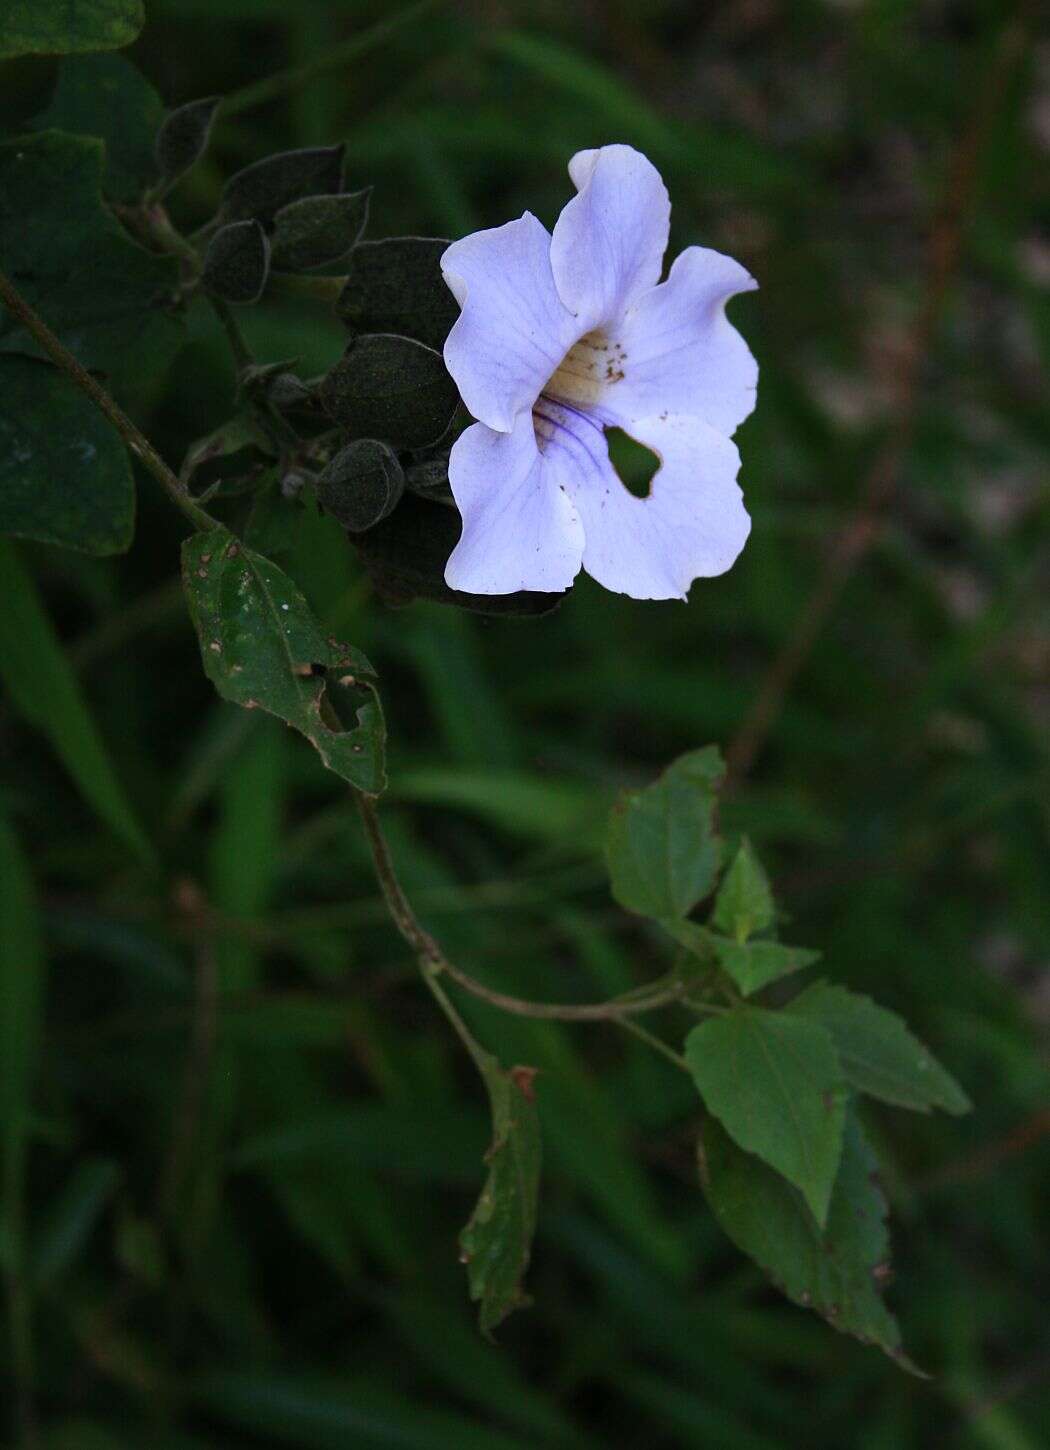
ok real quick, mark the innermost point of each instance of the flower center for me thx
(587, 369)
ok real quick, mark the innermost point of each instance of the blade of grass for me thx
(44, 690)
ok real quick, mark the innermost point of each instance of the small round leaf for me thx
(362, 484)
(392, 388)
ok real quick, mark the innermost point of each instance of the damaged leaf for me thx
(263, 648)
(497, 1242)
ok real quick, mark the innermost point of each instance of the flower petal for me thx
(692, 525)
(520, 530)
(609, 241)
(514, 329)
(678, 350)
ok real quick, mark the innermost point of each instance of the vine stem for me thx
(434, 963)
(656, 1043)
(135, 439)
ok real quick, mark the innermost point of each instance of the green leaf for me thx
(775, 1084)
(497, 1242)
(56, 27)
(744, 903)
(396, 285)
(103, 294)
(361, 484)
(45, 691)
(261, 190)
(64, 472)
(237, 262)
(406, 556)
(838, 1272)
(262, 647)
(879, 1055)
(182, 138)
(661, 847)
(754, 964)
(106, 96)
(391, 388)
(318, 230)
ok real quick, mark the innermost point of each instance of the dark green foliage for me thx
(261, 190)
(396, 285)
(183, 137)
(776, 1085)
(106, 96)
(237, 262)
(319, 230)
(391, 388)
(246, 1140)
(839, 1270)
(263, 649)
(64, 472)
(361, 484)
(106, 297)
(58, 27)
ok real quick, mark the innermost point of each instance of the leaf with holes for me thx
(497, 1242)
(262, 648)
(775, 1084)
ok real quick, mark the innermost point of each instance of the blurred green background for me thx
(253, 1140)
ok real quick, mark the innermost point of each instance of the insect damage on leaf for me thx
(262, 647)
(497, 1242)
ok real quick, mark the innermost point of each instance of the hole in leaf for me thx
(635, 465)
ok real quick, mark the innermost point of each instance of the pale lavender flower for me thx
(561, 336)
